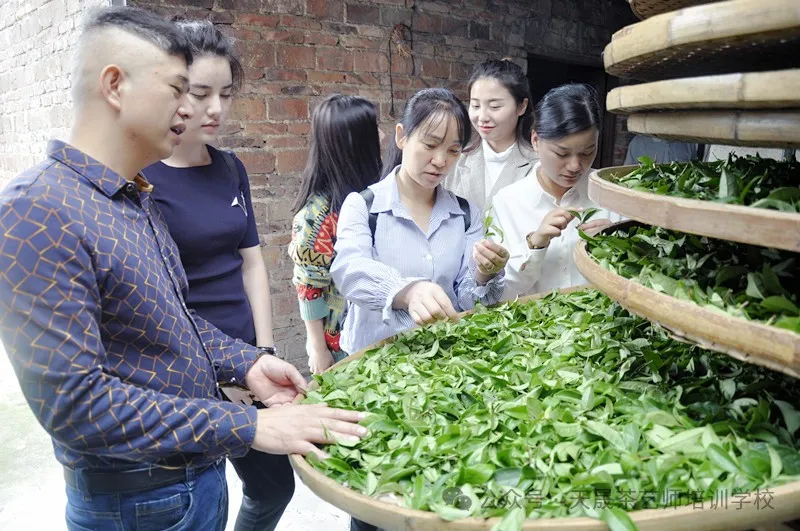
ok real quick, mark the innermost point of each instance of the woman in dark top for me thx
(204, 196)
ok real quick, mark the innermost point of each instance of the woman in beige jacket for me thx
(500, 111)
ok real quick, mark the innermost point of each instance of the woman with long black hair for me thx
(344, 157)
(533, 213)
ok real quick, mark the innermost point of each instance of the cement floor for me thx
(32, 487)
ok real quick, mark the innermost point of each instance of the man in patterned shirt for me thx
(115, 367)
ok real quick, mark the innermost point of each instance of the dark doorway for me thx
(545, 73)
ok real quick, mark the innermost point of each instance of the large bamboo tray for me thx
(755, 226)
(649, 8)
(779, 89)
(748, 341)
(717, 38)
(392, 517)
(778, 129)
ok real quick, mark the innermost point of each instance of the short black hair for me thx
(566, 110)
(206, 39)
(144, 24)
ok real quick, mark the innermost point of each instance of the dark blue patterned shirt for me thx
(92, 315)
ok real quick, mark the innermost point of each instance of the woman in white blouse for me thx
(407, 250)
(533, 213)
(500, 111)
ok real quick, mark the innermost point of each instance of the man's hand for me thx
(426, 303)
(274, 381)
(294, 429)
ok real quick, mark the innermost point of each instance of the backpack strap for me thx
(464, 204)
(369, 197)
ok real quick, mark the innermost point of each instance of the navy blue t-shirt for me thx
(210, 217)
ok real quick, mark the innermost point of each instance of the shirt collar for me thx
(101, 176)
(491, 155)
(387, 198)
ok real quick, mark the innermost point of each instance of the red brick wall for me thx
(295, 52)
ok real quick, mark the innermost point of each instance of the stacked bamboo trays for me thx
(649, 8)
(706, 47)
(393, 517)
(759, 108)
(692, 60)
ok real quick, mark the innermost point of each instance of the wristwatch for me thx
(273, 350)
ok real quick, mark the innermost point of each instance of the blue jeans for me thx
(268, 487)
(200, 503)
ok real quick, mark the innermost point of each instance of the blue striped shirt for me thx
(370, 277)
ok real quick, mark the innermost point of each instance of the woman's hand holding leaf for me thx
(490, 257)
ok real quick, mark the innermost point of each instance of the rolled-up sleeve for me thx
(360, 278)
(468, 290)
(50, 311)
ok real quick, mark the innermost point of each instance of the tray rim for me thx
(743, 127)
(633, 4)
(393, 516)
(773, 348)
(693, 26)
(726, 222)
(637, 98)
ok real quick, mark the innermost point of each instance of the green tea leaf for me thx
(779, 305)
(617, 519)
(722, 459)
(791, 417)
(511, 521)
(728, 186)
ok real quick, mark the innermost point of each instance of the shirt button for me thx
(428, 257)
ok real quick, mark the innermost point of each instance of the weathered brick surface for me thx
(295, 52)
(37, 38)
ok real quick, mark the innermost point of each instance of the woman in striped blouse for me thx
(408, 251)
(344, 157)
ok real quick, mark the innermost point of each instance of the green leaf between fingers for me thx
(490, 229)
(584, 215)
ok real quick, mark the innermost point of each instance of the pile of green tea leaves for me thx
(563, 406)
(750, 180)
(742, 280)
